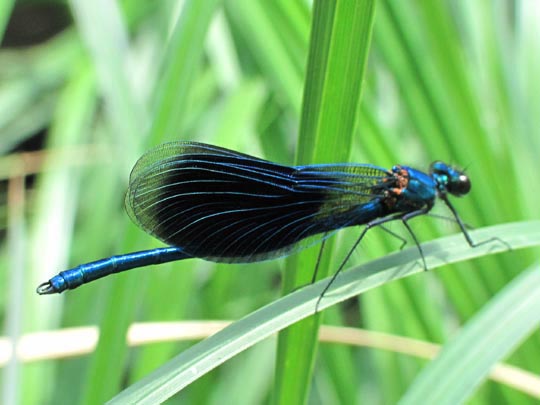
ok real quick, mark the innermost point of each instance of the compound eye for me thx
(459, 186)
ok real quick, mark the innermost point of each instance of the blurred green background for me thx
(87, 86)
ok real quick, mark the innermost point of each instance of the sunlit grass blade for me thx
(465, 362)
(339, 49)
(203, 357)
(5, 11)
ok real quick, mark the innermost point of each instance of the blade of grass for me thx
(340, 39)
(5, 11)
(255, 24)
(54, 209)
(210, 353)
(444, 105)
(465, 362)
(130, 118)
(28, 96)
(108, 43)
(182, 58)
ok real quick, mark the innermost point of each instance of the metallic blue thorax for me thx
(420, 190)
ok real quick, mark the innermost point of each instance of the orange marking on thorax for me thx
(402, 177)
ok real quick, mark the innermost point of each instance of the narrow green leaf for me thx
(108, 44)
(465, 362)
(210, 353)
(182, 58)
(340, 39)
(263, 37)
(5, 11)
(55, 208)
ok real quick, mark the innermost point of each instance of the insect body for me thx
(216, 204)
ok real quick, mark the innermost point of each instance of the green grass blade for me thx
(340, 40)
(108, 43)
(55, 209)
(182, 58)
(465, 362)
(205, 356)
(5, 11)
(254, 21)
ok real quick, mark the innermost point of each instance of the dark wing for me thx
(229, 207)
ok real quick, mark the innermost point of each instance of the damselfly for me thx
(219, 205)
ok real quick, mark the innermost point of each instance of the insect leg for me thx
(464, 231)
(369, 225)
